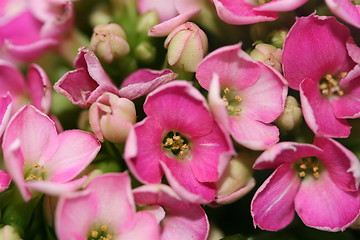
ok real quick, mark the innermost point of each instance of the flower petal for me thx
(345, 10)
(272, 207)
(145, 227)
(318, 112)
(342, 164)
(321, 204)
(76, 149)
(285, 152)
(5, 110)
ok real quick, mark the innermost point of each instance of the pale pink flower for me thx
(36, 89)
(171, 13)
(5, 111)
(321, 60)
(104, 209)
(40, 159)
(28, 28)
(178, 219)
(85, 84)
(190, 149)
(346, 10)
(245, 96)
(253, 11)
(320, 182)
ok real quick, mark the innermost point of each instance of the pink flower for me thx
(143, 81)
(104, 209)
(253, 11)
(320, 182)
(245, 96)
(320, 59)
(178, 219)
(85, 84)
(191, 149)
(5, 180)
(36, 90)
(28, 28)
(172, 13)
(37, 158)
(346, 10)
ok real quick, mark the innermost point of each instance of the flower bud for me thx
(109, 42)
(9, 233)
(187, 46)
(278, 38)
(145, 52)
(146, 21)
(112, 117)
(236, 180)
(291, 116)
(268, 54)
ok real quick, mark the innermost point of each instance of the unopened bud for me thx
(145, 52)
(236, 181)
(9, 233)
(278, 38)
(109, 42)
(101, 15)
(291, 116)
(187, 46)
(112, 117)
(268, 54)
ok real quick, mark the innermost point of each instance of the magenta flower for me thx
(36, 90)
(191, 149)
(320, 182)
(104, 210)
(319, 59)
(143, 81)
(178, 219)
(85, 84)
(37, 158)
(347, 10)
(28, 28)
(245, 96)
(253, 11)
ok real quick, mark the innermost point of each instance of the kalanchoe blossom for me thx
(347, 10)
(253, 11)
(104, 210)
(35, 90)
(320, 182)
(171, 14)
(318, 60)
(178, 219)
(143, 81)
(85, 84)
(5, 180)
(244, 95)
(190, 149)
(37, 158)
(28, 28)
(111, 117)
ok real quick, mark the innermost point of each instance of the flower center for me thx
(36, 173)
(329, 84)
(308, 166)
(176, 144)
(261, 2)
(232, 101)
(99, 233)
(355, 2)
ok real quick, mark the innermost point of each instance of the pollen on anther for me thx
(94, 234)
(226, 90)
(103, 228)
(302, 174)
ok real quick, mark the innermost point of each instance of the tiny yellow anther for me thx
(303, 166)
(36, 165)
(302, 174)
(103, 228)
(316, 174)
(238, 98)
(226, 90)
(315, 169)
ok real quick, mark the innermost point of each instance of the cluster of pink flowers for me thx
(166, 128)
